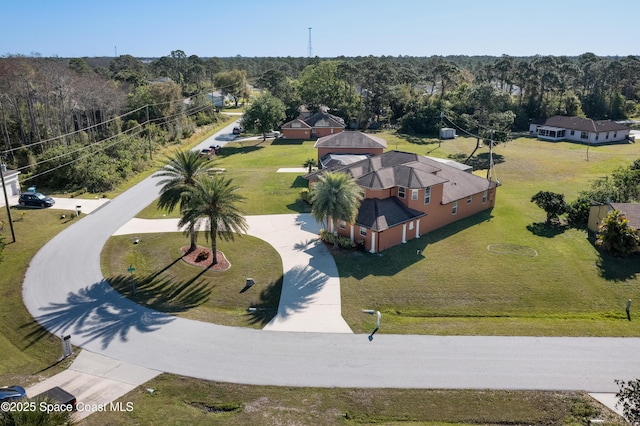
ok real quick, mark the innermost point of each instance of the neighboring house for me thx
(352, 143)
(314, 126)
(218, 99)
(11, 183)
(407, 195)
(576, 129)
(598, 213)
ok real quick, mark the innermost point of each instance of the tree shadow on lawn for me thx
(360, 264)
(228, 151)
(300, 182)
(618, 269)
(417, 139)
(547, 230)
(267, 304)
(283, 141)
(109, 308)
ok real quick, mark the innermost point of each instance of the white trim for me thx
(373, 242)
(404, 233)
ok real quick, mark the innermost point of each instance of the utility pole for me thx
(440, 130)
(310, 50)
(149, 133)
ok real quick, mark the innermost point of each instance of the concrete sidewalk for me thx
(96, 380)
(310, 298)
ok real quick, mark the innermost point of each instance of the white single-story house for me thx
(576, 129)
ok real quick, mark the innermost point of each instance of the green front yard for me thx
(501, 272)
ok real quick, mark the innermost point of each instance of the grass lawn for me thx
(26, 355)
(252, 165)
(549, 281)
(179, 400)
(569, 288)
(166, 283)
(454, 286)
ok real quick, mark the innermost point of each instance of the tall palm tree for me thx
(180, 175)
(213, 199)
(335, 197)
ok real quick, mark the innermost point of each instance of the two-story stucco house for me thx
(407, 195)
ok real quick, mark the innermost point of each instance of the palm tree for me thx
(180, 175)
(213, 199)
(335, 197)
(309, 163)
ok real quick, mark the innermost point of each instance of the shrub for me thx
(202, 256)
(345, 242)
(327, 236)
(305, 196)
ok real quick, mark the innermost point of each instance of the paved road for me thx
(65, 291)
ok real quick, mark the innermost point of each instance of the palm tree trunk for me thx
(214, 250)
(193, 237)
(335, 233)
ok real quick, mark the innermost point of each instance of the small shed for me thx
(447, 133)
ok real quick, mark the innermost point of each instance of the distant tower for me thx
(310, 50)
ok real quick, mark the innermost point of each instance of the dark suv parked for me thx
(35, 199)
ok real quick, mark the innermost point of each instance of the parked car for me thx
(35, 199)
(11, 393)
(273, 134)
(60, 396)
(237, 130)
(207, 152)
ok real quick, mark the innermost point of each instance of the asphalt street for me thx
(65, 292)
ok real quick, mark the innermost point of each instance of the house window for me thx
(343, 224)
(454, 209)
(414, 194)
(584, 135)
(484, 197)
(615, 134)
(597, 136)
(410, 226)
(573, 132)
(607, 137)
(469, 199)
(401, 192)
(427, 195)
(363, 231)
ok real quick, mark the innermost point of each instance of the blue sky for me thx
(141, 28)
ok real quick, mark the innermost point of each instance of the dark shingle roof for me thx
(631, 212)
(323, 119)
(350, 140)
(380, 214)
(581, 124)
(413, 171)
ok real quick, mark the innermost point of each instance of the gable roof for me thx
(413, 171)
(581, 124)
(631, 212)
(350, 140)
(295, 124)
(380, 214)
(324, 119)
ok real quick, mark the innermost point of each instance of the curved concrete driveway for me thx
(310, 298)
(64, 291)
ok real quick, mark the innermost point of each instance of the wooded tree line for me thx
(52, 106)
